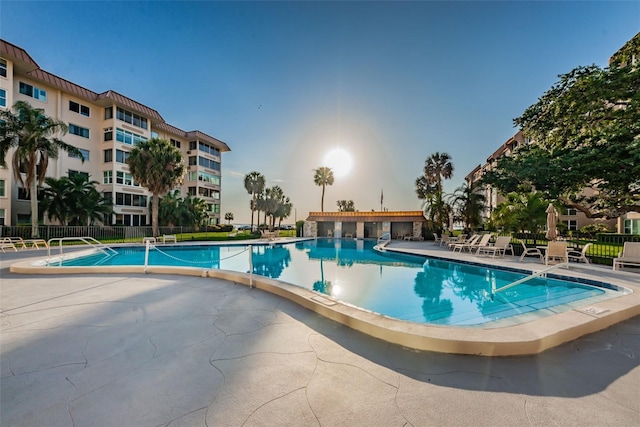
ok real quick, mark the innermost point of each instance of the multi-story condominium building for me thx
(105, 127)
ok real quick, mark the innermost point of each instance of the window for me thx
(193, 160)
(79, 108)
(2, 216)
(205, 177)
(108, 113)
(107, 177)
(572, 212)
(216, 208)
(108, 156)
(128, 138)
(3, 188)
(108, 134)
(72, 173)
(125, 178)
(78, 130)
(131, 118)
(126, 199)
(85, 154)
(572, 225)
(175, 143)
(122, 156)
(3, 68)
(193, 145)
(134, 220)
(209, 149)
(192, 191)
(3, 98)
(33, 91)
(23, 194)
(208, 163)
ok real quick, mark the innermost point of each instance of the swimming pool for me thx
(405, 287)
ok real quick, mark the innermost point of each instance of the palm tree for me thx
(170, 209)
(86, 203)
(229, 217)
(32, 134)
(55, 199)
(323, 176)
(437, 167)
(156, 165)
(468, 203)
(254, 184)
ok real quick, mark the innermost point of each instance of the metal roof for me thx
(391, 216)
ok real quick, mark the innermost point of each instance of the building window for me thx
(128, 138)
(33, 91)
(3, 98)
(131, 220)
(3, 68)
(122, 156)
(193, 160)
(193, 145)
(108, 113)
(108, 156)
(131, 118)
(3, 188)
(208, 163)
(2, 216)
(216, 208)
(209, 149)
(85, 154)
(572, 225)
(79, 108)
(78, 130)
(125, 178)
(23, 194)
(107, 177)
(71, 173)
(572, 212)
(108, 134)
(175, 143)
(126, 199)
(191, 191)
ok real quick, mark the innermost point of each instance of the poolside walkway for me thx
(167, 350)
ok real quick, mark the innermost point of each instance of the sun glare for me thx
(339, 161)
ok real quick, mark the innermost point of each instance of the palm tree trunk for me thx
(154, 214)
(34, 209)
(322, 200)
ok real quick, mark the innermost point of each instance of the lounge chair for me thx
(445, 239)
(556, 251)
(530, 251)
(579, 256)
(500, 247)
(470, 241)
(484, 241)
(630, 255)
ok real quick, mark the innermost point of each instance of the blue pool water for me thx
(401, 286)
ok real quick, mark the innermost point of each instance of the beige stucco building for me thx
(105, 126)
(362, 225)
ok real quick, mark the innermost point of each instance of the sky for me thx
(284, 83)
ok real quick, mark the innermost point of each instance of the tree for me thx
(346, 206)
(429, 189)
(586, 135)
(521, 212)
(74, 201)
(323, 176)
(254, 184)
(467, 203)
(229, 217)
(156, 165)
(33, 134)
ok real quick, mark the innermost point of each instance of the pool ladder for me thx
(541, 273)
(87, 240)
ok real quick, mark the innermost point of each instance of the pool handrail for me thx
(531, 276)
(88, 240)
(382, 239)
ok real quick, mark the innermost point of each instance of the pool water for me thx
(405, 287)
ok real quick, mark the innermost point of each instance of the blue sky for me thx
(283, 82)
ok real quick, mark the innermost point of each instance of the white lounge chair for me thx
(556, 251)
(500, 247)
(470, 241)
(484, 241)
(530, 251)
(630, 255)
(579, 256)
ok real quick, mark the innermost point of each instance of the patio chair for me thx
(579, 256)
(630, 255)
(556, 251)
(484, 241)
(470, 241)
(500, 247)
(444, 240)
(530, 251)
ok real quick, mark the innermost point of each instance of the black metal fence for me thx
(604, 246)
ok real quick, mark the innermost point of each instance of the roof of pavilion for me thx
(391, 216)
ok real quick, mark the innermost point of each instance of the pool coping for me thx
(521, 339)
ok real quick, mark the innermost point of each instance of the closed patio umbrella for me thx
(552, 231)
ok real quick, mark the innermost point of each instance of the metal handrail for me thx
(532, 276)
(88, 240)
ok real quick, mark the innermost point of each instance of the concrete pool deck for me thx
(125, 349)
